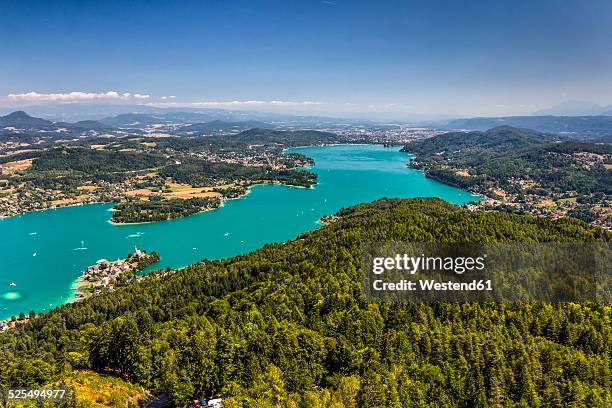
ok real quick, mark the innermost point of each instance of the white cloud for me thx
(167, 100)
(290, 103)
(240, 103)
(76, 96)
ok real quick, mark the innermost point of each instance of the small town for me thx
(107, 275)
(538, 194)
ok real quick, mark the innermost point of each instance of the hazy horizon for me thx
(373, 60)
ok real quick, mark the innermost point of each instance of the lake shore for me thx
(261, 216)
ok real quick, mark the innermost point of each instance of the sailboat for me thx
(81, 248)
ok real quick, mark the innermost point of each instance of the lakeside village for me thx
(106, 275)
(524, 194)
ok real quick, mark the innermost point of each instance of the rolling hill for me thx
(22, 120)
(504, 153)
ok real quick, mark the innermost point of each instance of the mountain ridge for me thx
(574, 108)
(576, 127)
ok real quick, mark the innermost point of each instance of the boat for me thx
(12, 284)
(34, 254)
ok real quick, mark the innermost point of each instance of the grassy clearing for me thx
(95, 390)
(92, 390)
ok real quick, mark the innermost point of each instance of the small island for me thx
(110, 274)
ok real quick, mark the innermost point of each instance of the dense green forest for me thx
(504, 153)
(95, 161)
(67, 168)
(158, 209)
(490, 143)
(252, 139)
(200, 173)
(288, 325)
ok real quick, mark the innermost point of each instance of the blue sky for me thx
(448, 57)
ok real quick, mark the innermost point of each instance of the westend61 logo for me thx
(433, 272)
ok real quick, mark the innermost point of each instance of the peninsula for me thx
(107, 275)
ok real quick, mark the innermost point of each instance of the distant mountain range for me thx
(591, 128)
(72, 112)
(575, 127)
(222, 126)
(85, 125)
(293, 138)
(136, 120)
(192, 121)
(23, 121)
(575, 108)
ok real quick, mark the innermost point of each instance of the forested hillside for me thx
(95, 161)
(523, 170)
(288, 325)
(503, 153)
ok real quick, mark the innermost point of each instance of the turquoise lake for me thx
(44, 252)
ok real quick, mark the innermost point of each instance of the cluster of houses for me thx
(105, 274)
